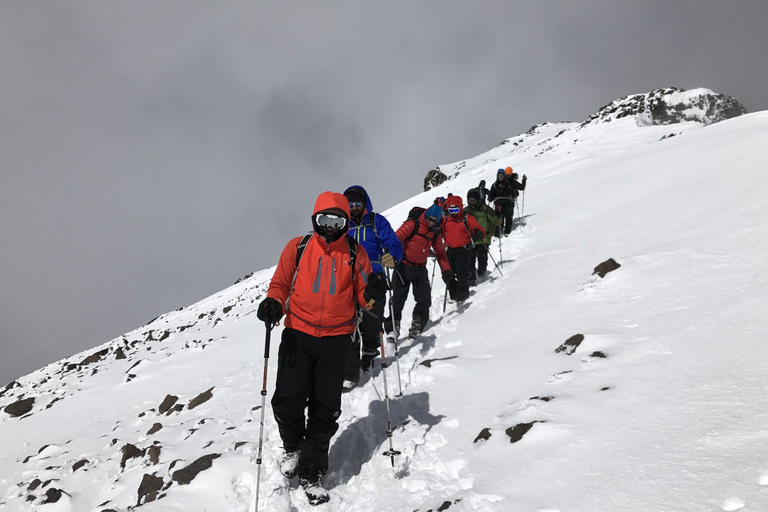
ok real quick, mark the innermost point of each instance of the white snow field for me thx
(663, 406)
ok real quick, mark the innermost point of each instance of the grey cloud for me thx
(151, 153)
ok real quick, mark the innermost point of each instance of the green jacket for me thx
(487, 219)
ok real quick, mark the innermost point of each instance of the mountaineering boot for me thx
(289, 464)
(415, 329)
(366, 361)
(315, 492)
(395, 333)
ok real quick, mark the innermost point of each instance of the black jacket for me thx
(507, 188)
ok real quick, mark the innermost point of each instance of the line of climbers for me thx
(333, 297)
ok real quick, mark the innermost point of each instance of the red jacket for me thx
(455, 232)
(416, 248)
(322, 302)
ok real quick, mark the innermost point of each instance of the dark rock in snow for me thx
(599, 354)
(571, 344)
(517, 432)
(185, 475)
(119, 353)
(428, 362)
(434, 178)
(34, 484)
(130, 452)
(201, 398)
(167, 403)
(605, 267)
(77, 465)
(94, 358)
(154, 453)
(20, 407)
(484, 435)
(52, 495)
(155, 428)
(148, 488)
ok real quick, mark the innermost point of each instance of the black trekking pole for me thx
(445, 298)
(394, 331)
(263, 407)
(523, 213)
(391, 452)
(493, 259)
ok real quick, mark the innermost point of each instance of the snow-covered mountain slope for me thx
(555, 389)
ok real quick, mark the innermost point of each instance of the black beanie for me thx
(354, 195)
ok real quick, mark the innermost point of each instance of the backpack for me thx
(352, 244)
(415, 215)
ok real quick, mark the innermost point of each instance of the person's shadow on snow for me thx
(367, 437)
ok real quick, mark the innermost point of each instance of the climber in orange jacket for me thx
(320, 281)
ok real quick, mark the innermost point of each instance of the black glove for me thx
(376, 288)
(270, 312)
(447, 276)
(524, 178)
(477, 236)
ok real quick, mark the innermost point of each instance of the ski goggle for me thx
(453, 210)
(356, 204)
(330, 220)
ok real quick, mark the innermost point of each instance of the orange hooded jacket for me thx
(322, 302)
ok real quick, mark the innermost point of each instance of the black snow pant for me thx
(479, 258)
(310, 372)
(460, 259)
(406, 276)
(370, 326)
(505, 208)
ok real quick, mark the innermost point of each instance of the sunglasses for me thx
(453, 210)
(356, 204)
(330, 220)
(433, 220)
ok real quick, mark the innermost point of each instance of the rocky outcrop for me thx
(671, 105)
(434, 178)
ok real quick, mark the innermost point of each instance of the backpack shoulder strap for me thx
(352, 245)
(373, 224)
(300, 250)
(414, 230)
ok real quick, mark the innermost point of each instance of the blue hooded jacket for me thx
(365, 235)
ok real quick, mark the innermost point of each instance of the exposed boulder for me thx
(185, 475)
(130, 452)
(484, 435)
(517, 432)
(570, 345)
(20, 407)
(605, 267)
(148, 488)
(155, 428)
(201, 398)
(167, 403)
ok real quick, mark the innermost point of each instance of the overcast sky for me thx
(151, 153)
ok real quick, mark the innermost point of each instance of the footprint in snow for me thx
(763, 480)
(560, 377)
